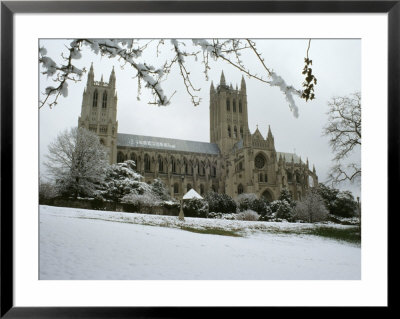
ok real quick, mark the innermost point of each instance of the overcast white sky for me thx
(336, 65)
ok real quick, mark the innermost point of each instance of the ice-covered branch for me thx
(130, 52)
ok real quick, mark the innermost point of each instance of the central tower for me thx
(99, 111)
(228, 114)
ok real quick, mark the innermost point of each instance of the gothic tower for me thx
(228, 115)
(99, 111)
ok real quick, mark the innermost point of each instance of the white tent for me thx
(192, 194)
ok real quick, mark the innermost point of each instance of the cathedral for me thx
(235, 161)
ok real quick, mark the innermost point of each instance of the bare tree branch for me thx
(344, 132)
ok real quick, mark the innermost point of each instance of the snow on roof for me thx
(192, 194)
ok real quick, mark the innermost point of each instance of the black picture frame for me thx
(9, 8)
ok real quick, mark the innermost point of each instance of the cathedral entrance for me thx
(267, 195)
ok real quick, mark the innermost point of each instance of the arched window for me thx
(234, 106)
(228, 105)
(266, 178)
(95, 95)
(229, 131)
(101, 141)
(241, 132)
(214, 171)
(240, 189)
(240, 106)
(133, 158)
(173, 164)
(188, 187)
(240, 166)
(289, 177)
(235, 132)
(120, 157)
(160, 165)
(201, 189)
(203, 169)
(176, 188)
(260, 177)
(283, 180)
(267, 195)
(104, 105)
(147, 163)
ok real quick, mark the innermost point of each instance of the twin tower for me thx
(228, 113)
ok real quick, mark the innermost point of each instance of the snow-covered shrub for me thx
(159, 189)
(287, 196)
(249, 215)
(250, 201)
(266, 214)
(220, 203)
(195, 207)
(281, 209)
(311, 208)
(121, 180)
(147, 199)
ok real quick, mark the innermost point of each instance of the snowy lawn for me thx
(88, 244)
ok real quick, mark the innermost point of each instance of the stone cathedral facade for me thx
(235, 161)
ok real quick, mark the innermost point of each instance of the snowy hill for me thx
(86, 244)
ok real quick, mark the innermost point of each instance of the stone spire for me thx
(112, 78)
(90, 78)
(212, 87)
(222, 81)
(242, 84)
(269, 136)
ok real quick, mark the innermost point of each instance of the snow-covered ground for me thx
(88, 244)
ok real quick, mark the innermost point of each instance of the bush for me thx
(222, 216)
(281, 209)
(287, 196)
(121, 180)
(250, 201)
(338, 203)
(159, 189)
(195, 207)
(311, 208)
(140, 201)
(220, 203)
(249, 215)
(47, 191)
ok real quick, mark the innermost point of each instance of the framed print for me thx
(195, 155)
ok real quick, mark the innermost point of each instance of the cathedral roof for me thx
(162, 143)
(287, 157)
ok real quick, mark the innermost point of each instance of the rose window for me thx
(259, 161)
